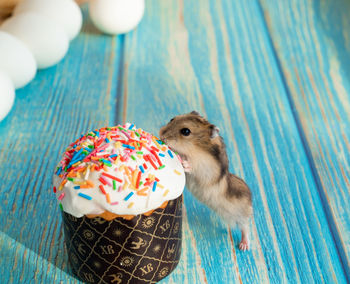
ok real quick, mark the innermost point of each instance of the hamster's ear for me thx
(194, 112)
(214, 131)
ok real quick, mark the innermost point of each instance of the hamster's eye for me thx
(185, 131)
(171, 120)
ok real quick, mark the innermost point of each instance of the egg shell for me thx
(66, 13)
(7, 94)
(45, 39)
(16, 60)
(116, 16)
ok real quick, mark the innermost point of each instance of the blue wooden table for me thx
(274, 77)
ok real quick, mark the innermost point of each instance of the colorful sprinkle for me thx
(101, 179)
(61, 206)
(134, 177)
(154, 148)
(91, 154)
(107, 181)
(61, 196)
(90, 183)
(149, 159)
(58, 171)
(87, 173)
(125, 185)
(54, 189)
(142, 191)
(179, 158)
(106, 162)
(128, 146)
(170, 154)
(128, 196)
(85, 185)
(157, 158)
(154, 186)
(112, 177)
(85, 196)
(138, 179)
(102, 189)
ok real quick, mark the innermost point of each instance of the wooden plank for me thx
(189, 269)
(217, 58)
(312, 44)
(290, 233)
(27, 263)
(60, 103)
(74, 101)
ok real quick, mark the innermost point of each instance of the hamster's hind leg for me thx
(245, 242)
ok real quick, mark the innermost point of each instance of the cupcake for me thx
(120, 192)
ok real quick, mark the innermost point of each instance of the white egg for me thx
(16, 60)
(66, 13)
(7, 94)
(45, 39)
(116, 16)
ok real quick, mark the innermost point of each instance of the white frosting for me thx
(141, 199)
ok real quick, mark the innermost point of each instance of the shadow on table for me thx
(206, 223)
(31, 236)
(88, 27)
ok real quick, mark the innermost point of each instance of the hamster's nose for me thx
(163, 138)
(161, 133)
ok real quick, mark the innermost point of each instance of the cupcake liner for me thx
(142, 250)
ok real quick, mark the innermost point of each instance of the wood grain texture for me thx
(57, 106)
(312, 45)
(217, 58)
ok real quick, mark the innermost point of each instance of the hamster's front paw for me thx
(244, 244)
(187, 166)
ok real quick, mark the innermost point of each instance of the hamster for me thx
(205, 161)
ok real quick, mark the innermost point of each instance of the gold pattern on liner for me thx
(176, 228)
(116, 278)
(170, 228)
(140, 243)
(148, 222)
(164, 271)
(88, 234)
(127, 261)
(118, 232)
